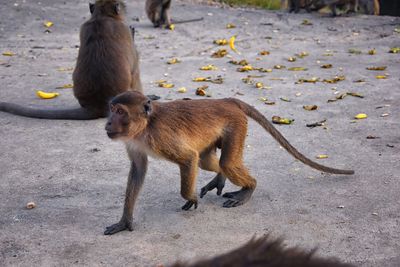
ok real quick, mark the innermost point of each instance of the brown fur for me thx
(265, 252)
(188, 133)
(107, 65)
(158, 13)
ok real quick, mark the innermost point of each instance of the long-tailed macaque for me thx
(107, 65)
(188, 132)
(265, 252)
(158, 13)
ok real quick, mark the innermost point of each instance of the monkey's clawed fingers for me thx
(118, 227)
(189, 204)
(218, 182)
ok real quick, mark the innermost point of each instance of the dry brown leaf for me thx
(310, 107)
(220, 53)
(377, 68)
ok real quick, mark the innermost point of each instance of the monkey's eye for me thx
(120, 111)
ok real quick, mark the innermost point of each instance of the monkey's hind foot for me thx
(189, 204)
(237, 198)
(118, 227)
(218, 182)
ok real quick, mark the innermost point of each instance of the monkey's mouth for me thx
(113, 135)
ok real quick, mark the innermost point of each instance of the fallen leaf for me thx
(322, 156)
(308, 80)
(209, 67)
(166, 85)
(335, 79)
(355, 94)
(269, 103)
(372, 137)
(302, 54)
(171, 27)
(384, 114)
(264, 70)
(278, 67)
(61, 69)
(316, 124)
(310, 107)
(291, 59)
(297, 69)
(326, 66)
(377, 68)
(279, 120)
(173, 61)
(221, 42)
(48, 24)
(327, 54)
(245, 68)
(394, 50)
(264, 53)
(217, 80)
(230, 26)
(182, 90)
(359, 81)
(220, 53)
(201, 91)
(8, 54)
(259, 85)
(354, 51)
(285, 99)
(360, 116)
(381, 76)
(242, 62)
(372, 52)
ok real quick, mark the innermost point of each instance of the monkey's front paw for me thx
(118, 227)
(189, 204)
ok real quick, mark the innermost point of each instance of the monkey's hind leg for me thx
(233, 168)
(188, 181)
(209, 162)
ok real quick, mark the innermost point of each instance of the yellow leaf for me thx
(220, 53)
(322, 156)
(355, 51)
(221, 42)
(259, 85)
(377, 68)
(172, 27)
(297, 69)
(306, 22)
(201, 91)
(65, 69)
(264, 70)
(394, 50)
(335, 79)
(361, 116)
(372, 52)
(302, 54)
(242, 62)
(182, 90)
(209, 67)
(48, 24)
(8, 54)
(173, 61)
(279, 120)
(309, 80)
(201, 79)
(278, 67)
(45, 95)
(166, 85)
(230, 26)
(245, 68)
(381, 76)
(291, 59)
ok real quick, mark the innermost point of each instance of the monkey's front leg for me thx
(188, 182)
(136, 177)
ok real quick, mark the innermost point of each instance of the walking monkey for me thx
(188, 132)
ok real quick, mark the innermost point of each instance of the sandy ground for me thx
(77, 176)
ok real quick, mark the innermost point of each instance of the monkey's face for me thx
(129, 119)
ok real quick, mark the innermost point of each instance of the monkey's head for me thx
(129, 114)
(111, 8)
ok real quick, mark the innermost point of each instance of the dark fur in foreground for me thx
(264, 252)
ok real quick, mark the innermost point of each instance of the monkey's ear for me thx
(147, 107)
(91, 8)
(117, 8)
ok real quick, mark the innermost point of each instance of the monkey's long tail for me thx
(258, 117)
(56, 114)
